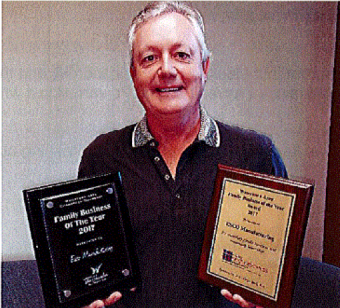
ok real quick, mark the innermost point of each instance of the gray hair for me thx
(158, 8)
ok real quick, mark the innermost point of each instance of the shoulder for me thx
(106, 152)
(237, 136)
(111, 140)
(248, 149)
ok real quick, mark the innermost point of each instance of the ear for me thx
(206, 65)
(132, 72)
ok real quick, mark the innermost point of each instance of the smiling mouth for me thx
(167, 90)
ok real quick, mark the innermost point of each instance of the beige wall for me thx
(65, 80)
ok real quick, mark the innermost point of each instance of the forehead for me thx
(170, 28)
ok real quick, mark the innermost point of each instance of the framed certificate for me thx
(254, 235)
(82, 239)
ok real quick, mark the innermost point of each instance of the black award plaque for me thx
(82, 240)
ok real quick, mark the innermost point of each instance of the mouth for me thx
(168, 90)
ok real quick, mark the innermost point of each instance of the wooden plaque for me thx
(254, 235)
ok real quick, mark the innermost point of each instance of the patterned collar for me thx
(209, 132)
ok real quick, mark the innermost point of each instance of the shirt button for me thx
(178, 196)
(167, 177)
(157, 159)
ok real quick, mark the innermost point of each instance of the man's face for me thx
(168, 72)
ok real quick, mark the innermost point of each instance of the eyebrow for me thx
(147, 49)
(179, 45)
(172, 48)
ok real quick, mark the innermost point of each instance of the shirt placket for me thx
(174, 186)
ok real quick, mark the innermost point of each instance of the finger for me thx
(242, 302)
(239, 300)
(114, 297)
(96, 304)
(227, 294)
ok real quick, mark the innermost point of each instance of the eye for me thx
(183, 56)
(148, 59)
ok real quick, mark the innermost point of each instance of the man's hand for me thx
(113, 298)
(237, 299)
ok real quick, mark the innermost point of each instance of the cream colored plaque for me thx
(250, 236)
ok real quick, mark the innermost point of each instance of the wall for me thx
(66, 80)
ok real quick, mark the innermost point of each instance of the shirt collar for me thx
(209, 132)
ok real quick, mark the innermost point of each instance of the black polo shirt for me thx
(169, 215)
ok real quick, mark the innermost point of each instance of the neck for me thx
(171, 128)
(174, 134)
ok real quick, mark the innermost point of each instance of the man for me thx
(169, 159)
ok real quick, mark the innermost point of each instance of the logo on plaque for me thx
(96, 277)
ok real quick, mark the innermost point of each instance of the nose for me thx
(167, 67)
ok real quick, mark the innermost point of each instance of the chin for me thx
(174, 108)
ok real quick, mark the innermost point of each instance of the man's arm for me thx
(278, 166)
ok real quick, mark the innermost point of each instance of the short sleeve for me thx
(278, 166)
